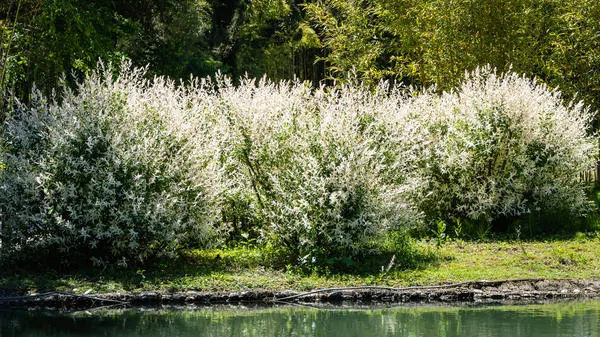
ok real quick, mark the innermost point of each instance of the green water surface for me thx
(559, 319)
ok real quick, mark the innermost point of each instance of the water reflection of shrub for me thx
(533, 320)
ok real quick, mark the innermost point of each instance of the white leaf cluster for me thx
(107, 173)
(502, 146)
(323, 167)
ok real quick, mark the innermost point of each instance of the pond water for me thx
(558, 319)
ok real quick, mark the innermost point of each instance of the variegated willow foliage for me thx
(109, 173)
(501, 146)
(125, 168)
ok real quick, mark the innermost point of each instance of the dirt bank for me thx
(506, 291)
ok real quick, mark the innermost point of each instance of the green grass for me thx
(247, 268)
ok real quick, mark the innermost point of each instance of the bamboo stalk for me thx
(4, 59)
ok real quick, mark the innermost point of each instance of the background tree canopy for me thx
(434, 42)
(421, 42)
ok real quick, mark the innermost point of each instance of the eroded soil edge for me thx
(505, 291)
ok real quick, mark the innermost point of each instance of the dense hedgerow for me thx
(126, 168)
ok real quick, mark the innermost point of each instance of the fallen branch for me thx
(52, 293)
(453, 285)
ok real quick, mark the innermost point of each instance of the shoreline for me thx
(516, 291)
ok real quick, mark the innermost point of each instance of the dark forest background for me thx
(417, 42)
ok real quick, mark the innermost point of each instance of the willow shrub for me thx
(105, 174)
(503, 147)
(323, 168)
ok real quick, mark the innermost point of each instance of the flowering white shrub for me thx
(314, 163)
(502, 146)
(124, 168)
(104, 174)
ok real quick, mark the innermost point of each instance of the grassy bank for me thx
(245, 268)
